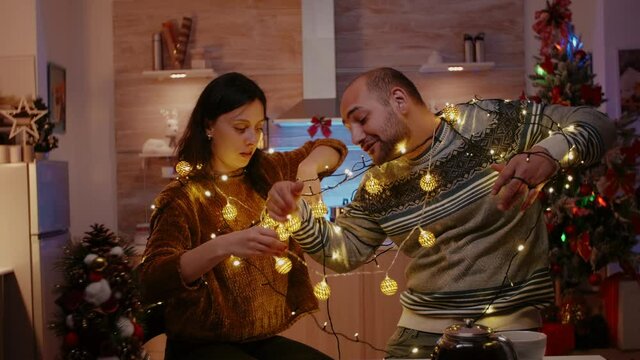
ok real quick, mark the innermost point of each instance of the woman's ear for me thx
(399, 100)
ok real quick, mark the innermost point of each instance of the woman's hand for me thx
(253, 241)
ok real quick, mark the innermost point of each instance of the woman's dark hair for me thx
(222, 95)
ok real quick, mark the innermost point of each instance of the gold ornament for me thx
(428, 182)
(99, 264)
(322, 290)
(267, 222)
(426, 238)
(388, 286)
(451, 113)
(319, 209)
(293, 223)
(283, 233)
(229, 212)
(183, 168)
(283, 264)
(373, 186)
(234, 260)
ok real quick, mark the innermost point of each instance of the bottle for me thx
(468, 48)
(157, 51)
(479, 45)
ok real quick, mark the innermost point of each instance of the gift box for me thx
(621, 296)
(560, 338)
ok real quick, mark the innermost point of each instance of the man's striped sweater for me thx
(470, 266)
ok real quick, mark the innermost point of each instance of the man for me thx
(460, 201)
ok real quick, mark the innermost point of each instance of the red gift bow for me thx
(321, 122)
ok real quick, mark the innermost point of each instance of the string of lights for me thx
(450, 116)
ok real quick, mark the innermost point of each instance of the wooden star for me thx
(21, 123)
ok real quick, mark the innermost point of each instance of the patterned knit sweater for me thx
(468, 267)
(231, 303)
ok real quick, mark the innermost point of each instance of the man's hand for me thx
(524, 175)
(283, 199)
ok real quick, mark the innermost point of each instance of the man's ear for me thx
(399, 99)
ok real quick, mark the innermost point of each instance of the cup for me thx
(529, 345)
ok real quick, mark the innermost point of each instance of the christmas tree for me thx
(99, 300)
(592, 214)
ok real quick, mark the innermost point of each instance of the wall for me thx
(258, 38)
(77, 35)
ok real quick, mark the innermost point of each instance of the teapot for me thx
(472, 341)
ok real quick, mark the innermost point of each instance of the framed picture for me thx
(629, 80)
(57, 79)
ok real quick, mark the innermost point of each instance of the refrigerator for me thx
(34, 228)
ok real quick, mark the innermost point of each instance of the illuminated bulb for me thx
(283, 264)
(229, 212)
(550, 190)
(348, 172)
(524, 112)
(267, 222)
(213, 236)
(355, 336)
(235, 261)
(271, 151)
(293, 223)
(426, 238)
(388, 286)
(450, 112)
(183, 168)
(373, 186)
(207, 193)
(492, 152)
(322, 291)
(319, 209)
(199, 166)
(153, 206)
(335, 255)
(283, 233)
(571, 156)
(428, 182)
(520, 247)
(402, 149)
(224, 177)
(567, 186)
(571, 128)
(569, 178)
(414, 350)
(293, 313)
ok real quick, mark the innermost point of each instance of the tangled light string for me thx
(429, 183)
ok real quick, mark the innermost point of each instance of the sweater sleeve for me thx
(344, 245)
(289, 161)
(586, 132)
(171, 235)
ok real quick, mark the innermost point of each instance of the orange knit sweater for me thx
(231, 303)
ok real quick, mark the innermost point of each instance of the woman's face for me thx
(235, 137)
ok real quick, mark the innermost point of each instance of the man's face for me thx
(375, 126)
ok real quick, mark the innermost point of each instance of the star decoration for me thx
(20, 122)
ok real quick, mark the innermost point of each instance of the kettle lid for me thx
(468, 330)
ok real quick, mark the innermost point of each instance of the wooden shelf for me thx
(179, 74)
(457, 67)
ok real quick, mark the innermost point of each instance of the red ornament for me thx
(570, 230)
(595, 279)
(138, 332)
(586, 189)
(95, 276)
(110, 305)
(71, 340)
(322, 123)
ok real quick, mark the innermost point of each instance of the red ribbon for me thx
(322, 123)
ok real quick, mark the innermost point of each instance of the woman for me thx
(208, 258)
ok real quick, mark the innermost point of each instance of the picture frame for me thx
(57, 96)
